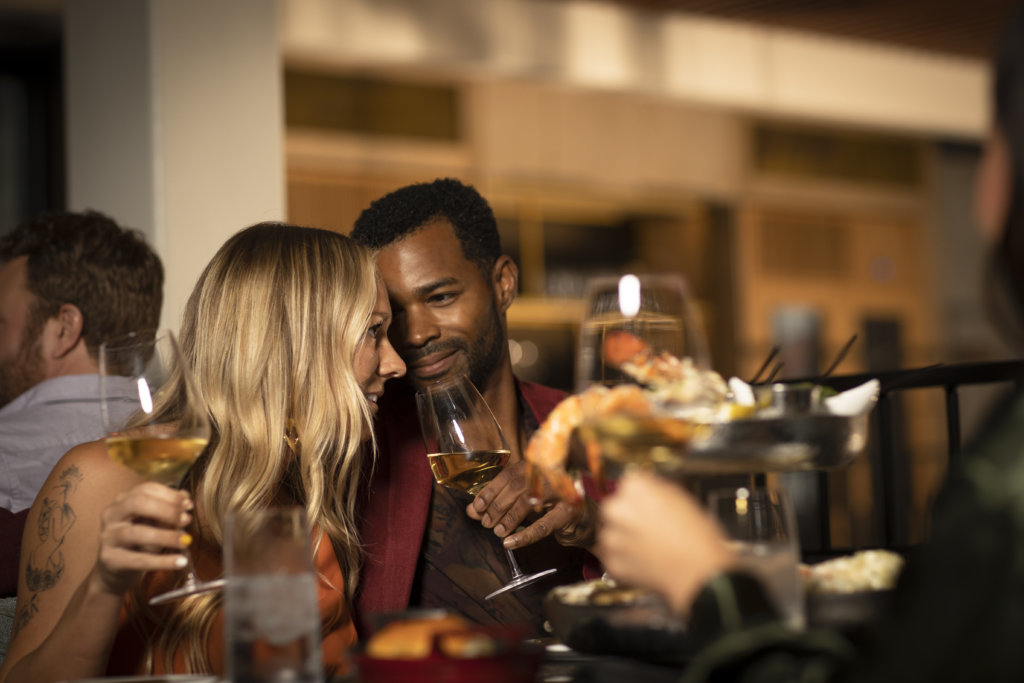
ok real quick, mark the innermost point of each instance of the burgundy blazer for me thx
(396, 500)
(12, 525)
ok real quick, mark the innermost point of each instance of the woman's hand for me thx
(655, 535)
(138, 529)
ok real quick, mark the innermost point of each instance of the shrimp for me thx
(665, 380)
(671, 379)
(633, 356)
(548, 450)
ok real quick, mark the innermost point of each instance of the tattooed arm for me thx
(81, 551)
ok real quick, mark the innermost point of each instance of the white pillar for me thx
(175, 123)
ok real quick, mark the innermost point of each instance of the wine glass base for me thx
(193, 588)
(520, 581)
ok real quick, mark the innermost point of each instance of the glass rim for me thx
(136, 338)
(445, 383)
(660, 277)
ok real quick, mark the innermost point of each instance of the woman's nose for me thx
(391, 364)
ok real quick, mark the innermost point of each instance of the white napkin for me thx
(856, 401)
(742, 393)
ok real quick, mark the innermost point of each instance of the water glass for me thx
(762, 526)
(272, 620)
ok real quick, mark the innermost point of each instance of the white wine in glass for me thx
(466, 449)
(155, 420)
(467, 471)
(161, 459)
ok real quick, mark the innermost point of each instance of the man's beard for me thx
(25, 369)
(484, 356)
(480, 360)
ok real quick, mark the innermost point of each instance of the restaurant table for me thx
(169, 678)
(562, 665)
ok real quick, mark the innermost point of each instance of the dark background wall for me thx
(31, 119)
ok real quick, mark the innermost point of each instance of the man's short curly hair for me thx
(409, 208)
(86, 259)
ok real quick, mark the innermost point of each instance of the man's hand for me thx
(504, 504)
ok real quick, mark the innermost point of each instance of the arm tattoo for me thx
(25, 614)
(46, 563)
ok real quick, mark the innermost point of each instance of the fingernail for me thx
(510, 542)
(500, 529)
(184, 519)
(185, 540)
(189, 504)
(181, 562)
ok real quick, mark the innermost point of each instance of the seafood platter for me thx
(679, 419)
(813, 432)
(600, 617)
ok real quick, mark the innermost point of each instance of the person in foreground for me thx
(67, 282)
(286, 334)
(450, 286)
(959, 608)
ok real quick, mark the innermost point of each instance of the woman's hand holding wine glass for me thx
(139, 524)
(156, 425)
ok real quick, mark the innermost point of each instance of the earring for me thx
(291, 438)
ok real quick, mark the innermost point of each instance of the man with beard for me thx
(449, 284)
(68, 281)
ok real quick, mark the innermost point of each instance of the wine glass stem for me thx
(190, 570)
(516, 571)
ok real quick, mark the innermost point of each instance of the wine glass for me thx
(655, 312)
(155, 422)
(466, 449)
(761, 525)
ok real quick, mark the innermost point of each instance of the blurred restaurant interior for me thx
(807, 166)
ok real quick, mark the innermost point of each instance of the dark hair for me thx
(1005, 276)
(85, 259)
(409, 208)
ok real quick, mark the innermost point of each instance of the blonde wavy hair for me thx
(271, 331)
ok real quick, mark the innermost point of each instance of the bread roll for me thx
(414, 639)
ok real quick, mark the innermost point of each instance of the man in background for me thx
(68, 281)
(450, 286)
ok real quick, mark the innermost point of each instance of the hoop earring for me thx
(291, 438)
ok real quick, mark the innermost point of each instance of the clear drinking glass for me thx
(466, 449)
(762, 528)
(656, 313)
(271, 617)
(155, 421)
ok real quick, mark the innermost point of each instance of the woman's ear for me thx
(506, 281)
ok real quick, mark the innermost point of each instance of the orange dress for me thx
(127, 657)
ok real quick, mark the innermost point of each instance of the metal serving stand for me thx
(890, 462)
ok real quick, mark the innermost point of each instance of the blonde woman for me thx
(286, 332)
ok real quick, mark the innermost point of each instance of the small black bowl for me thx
(642, 628)
(848, 612)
